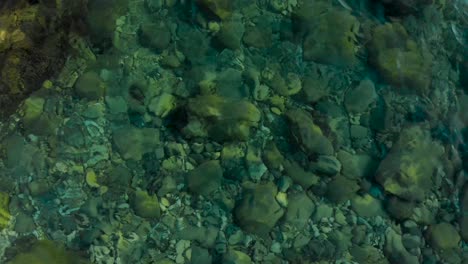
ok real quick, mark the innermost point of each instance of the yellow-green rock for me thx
(47, 252)
(443, 236)
(206, 178)
(90, 86)
(220, 8)
(407, 171)
(341, 189)
(332, 39)
(399, 59)
(221, 118)
(4, 211)
(236, 257)
(145, 205)
(307, 134)
(258, 211)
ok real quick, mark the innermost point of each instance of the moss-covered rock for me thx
(132, 143)
(308, 135)
(300, 209)
(341, 189)
(367, 255)
(221, 118)
(367, 206)
(145, 205)
(155, 36)
(408, 169)
(4, 210)
(206, 178)
(300, 176)
(45, 252)
(258, 211)
(90, 86)
(233, 256)
(272, 156)
(359, 98)
(231, 32)
(399, 59)
(331, 37)
(221, 8)
(443, 236)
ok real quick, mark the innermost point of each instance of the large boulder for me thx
(407, 171)
(399, 59)
(221, 118)
(258, 211)
(307, 134)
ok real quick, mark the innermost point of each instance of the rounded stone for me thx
(443, 236)
(145, 205)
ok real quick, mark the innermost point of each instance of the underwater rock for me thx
(399, 208)
(32, 47)
(259, 35)
(287, 85)
(308, 135)
(132, 142)
(231, 32)
(206, 178)
(155, 36)
(258, 211)
(315, 87)
(367, 206)
(193, 43)
(162, 105)
(332, 38)
(272, 156)
(356, 166)
(367, 255)
(443, 236)
(359, 98)
(221, 118)
(299, 176)
(399, 59)
(341, 189)
(404, 7)
(4, 210)
(300, 209)
(233, 256)
(101, 20)
(200, 255)
(221, 8)
(46, 251)
(145, 205)
(327, 165)
(229, 84)
(408, 169)
(90, 86)
(395, 251)
(24, 223)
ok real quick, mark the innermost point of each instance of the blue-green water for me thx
(237, 132)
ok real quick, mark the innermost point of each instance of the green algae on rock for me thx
(90, 86)
(206, 178)
(132, 143)
(443, 236)
(221, 118)
(45, 252)
(258, 211)
(407, 170)
(155, 36)
(4, 210)
(399, 59)
(146, 205)
(330, 33)
(307, 134)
